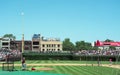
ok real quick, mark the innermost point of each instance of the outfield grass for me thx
(81, 70)
(73, 70)
(64, 61)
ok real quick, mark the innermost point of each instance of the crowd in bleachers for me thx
(16, 53)
(81, 52)
(97, 52)
(5, 53)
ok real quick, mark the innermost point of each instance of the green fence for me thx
(37, 56)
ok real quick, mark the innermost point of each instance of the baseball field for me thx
(53, 67)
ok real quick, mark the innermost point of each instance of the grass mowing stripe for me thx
(72, 71)
(49, 61)
(95, 69)
(66, 61)
(29, 61)
(45, 61)
(39, 61)
(112, 70)
(63, 70)
(79, 71)
(59, 69)
(82, 71)
(42, 61)
(104, 70)
(52, 61)
(91, 71)
(35, 62)
(55, 70)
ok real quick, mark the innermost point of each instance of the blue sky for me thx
(78, 20)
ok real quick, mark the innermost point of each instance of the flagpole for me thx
(22, 14)
(22, 43)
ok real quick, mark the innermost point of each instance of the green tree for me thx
(108, 40)
(10, 36)
(88, 46)
(67, 45)
(82, 45)
(94, 48)
(112, 48)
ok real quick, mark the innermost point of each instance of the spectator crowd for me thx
(97, 52)
(5, 53)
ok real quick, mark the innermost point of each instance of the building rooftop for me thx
(50, 39)
(102, 43)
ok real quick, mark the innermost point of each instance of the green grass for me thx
(81, 70)
(74, 70)
(62, 61)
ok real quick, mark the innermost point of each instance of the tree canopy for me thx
(112, 48)
(108, 40)
(79, 45)
(68, 45)
(82, 45)
(10, 36)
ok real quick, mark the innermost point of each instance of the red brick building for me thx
(17, 45)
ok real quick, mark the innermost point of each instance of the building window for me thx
(52, 45)
(43, 49)
(47, 45)
(58, 45)
(5, 43)
(36, 47)
(43, 45)
(35, 43)
(52, 49)
(58, 49)
(26, 48)
(5, 47)
(27, 43)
